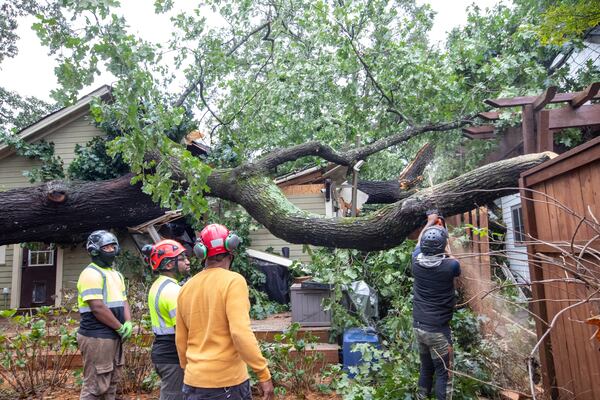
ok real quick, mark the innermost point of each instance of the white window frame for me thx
(518, 234)
(37, 253)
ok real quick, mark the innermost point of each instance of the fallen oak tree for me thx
(57, 211)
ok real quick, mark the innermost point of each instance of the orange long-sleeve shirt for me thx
(213, 334)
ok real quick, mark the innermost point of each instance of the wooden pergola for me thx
(538, 123)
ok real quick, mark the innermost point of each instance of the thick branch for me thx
(386, 192)
(381, 230)
(349, 157)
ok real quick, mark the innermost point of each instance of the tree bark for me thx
(62, 211)
(386, 192)
(30, 214)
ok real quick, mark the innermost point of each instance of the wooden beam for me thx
(479, 132)
(523, 100)
(545, 138)
(528, 129)
(569, 117)
(489, 115)
(544, 98)
(476, 130)
(585, 95)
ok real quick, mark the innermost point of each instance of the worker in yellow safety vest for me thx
(105, 318)
(168, 258)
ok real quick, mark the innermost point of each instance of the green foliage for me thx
(36, 349)
(293, 365)
(569, 137)
(261, 307)
(568, 20)
(51, 165)
(92, 163)
(275, 75)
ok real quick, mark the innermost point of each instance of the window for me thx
(39, 292)
(518, 226)
(40, 254)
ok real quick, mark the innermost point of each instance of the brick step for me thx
(266, 329)
(331, 354)
(321, 334)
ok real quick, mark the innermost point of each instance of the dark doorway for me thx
(38, 275)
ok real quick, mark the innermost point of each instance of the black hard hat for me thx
(433, 241)
(99, 239)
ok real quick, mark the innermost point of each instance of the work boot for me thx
(422, 393)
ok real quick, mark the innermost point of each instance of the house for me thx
(39, 274)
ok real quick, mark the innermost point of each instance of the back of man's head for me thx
(433, 241)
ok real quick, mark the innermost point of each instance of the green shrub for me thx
(36, 350)
(293, 366)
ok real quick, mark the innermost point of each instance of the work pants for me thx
(103, 361)
(171, 381)
(238, 392)
(435, 352)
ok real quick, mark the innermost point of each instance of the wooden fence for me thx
(474, 258)
(556, 232)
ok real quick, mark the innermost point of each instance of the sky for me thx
(31, 72)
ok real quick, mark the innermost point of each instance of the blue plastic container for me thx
(354, 336)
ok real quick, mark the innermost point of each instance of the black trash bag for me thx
(277, 282)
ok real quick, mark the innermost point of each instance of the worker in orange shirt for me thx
(214, 339)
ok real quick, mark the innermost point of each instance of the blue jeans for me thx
(435, 352)
(238, 392)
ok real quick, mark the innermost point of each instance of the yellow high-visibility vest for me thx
(105, 284)
(162, 303)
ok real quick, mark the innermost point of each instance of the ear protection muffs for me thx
(232, 242)
(200, 250)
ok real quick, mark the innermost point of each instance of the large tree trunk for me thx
(55, 212)
(62, 211)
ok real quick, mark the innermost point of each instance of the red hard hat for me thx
(159, 254)
(215, 239)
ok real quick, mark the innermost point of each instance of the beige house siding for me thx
(80, 131)
(11, 171)
(74, 260)
(263, 239)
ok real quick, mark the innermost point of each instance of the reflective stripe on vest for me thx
(103, 291)
(163, 329)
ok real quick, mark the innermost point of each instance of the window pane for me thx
(518, 224)
(45, 257)
(39, 292)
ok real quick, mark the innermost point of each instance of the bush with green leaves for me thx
(36, 349)
(294, 367)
